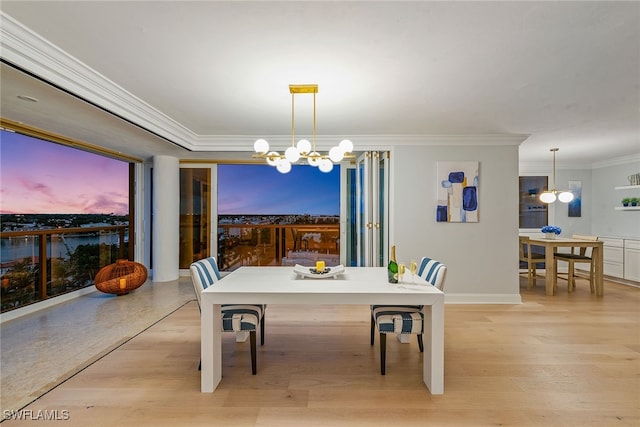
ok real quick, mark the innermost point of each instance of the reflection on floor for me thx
(77, 332)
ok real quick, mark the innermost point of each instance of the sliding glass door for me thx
(195, 214)
(372, 209)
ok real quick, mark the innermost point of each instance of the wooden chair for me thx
(235, 318)
(405, 319)
(531, 258)
(577, 255)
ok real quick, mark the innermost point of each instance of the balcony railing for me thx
(277, 244)
(40, 264)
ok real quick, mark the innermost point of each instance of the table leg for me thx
(550, 269)
(433, 337)
(210, 346)
(599, 269)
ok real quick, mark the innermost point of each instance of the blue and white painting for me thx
(457, 192)
(575, 206)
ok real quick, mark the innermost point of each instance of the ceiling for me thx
(204, 79)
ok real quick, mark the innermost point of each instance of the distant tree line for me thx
(61, 220)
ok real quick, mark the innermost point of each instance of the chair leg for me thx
(592, 278)
(420, 344)
(555, 263)
(383, 353)
(262, 331)
(530, 277)
(572, 278)
(200, 365)
(373, 329)
(252, 339)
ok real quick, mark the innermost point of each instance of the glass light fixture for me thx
(303, 149)
(552, 195)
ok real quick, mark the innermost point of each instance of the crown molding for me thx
(540, 167)
(362, 142)
(31, 52)
(617, 161)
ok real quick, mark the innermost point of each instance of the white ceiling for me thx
(213, 76)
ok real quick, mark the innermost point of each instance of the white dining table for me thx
(281, 285)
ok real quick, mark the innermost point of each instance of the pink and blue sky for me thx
(42, 177)
(262, 190)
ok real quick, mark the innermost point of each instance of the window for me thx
(65, 214)
(269, 218)
(195, 184)
(533, 212)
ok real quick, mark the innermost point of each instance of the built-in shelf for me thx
(627, 208)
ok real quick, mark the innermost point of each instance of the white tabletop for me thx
(357, 285)
(280, 285)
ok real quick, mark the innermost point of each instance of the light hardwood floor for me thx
(567, 360)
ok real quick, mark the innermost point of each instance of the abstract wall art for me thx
(457, 191)
(575, 206)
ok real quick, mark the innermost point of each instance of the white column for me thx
(165, 212)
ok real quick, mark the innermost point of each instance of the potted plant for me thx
(634, 201)
(551, 231)
(626, 201)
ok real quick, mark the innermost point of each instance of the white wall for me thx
(606, 221)
(560, 214)
(482, 258)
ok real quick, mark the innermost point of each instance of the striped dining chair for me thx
(405, 319)
(235, 317)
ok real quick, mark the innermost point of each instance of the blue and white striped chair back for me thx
(235, 317)
(204, 273)
(405, 319)
(432, 272)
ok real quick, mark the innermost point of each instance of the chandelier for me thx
(304, 149)
(550, 196)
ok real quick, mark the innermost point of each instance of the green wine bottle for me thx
(392, 268)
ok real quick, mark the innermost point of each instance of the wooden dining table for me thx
(551, 246)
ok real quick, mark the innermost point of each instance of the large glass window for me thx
(533, 212)
(269, 218)
(195, 184)
(64, 213)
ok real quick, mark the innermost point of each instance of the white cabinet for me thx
(613, 256)
(632, 260)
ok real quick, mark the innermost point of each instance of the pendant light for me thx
(550, 196)
(304, 149)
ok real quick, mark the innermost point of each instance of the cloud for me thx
(36, 187)
(107, 204)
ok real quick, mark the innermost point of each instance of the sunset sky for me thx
(42, 177)
(261, 189)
